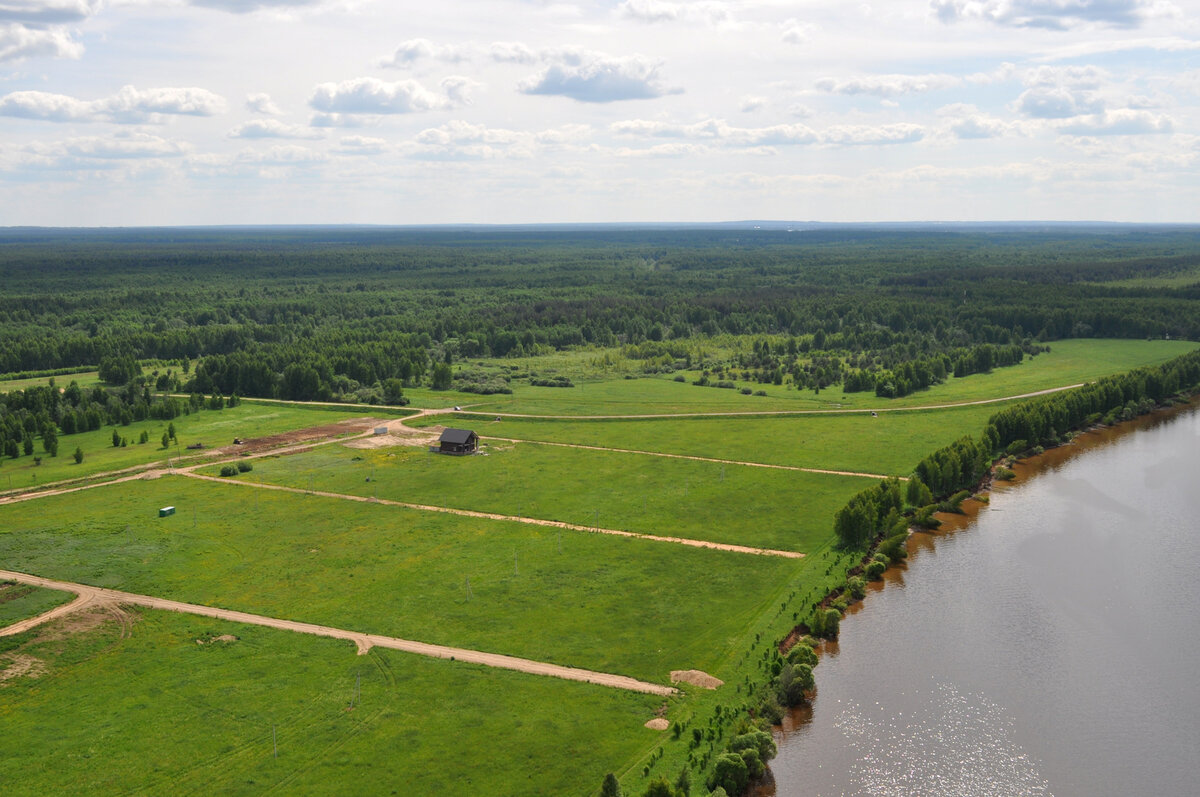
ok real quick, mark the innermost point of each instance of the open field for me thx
(20, 602)
(537, 593)
(138, 690)
(84, 378)
(890, 444)
(699, 500)
(213, 428)
(344, 724)
(1068, 362)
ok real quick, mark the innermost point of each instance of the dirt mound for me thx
(695, 678)
(658, 724)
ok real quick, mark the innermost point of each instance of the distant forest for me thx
(323, 313)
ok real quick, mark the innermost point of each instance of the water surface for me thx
(1048, 645)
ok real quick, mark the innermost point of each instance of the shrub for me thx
(78, 455)
(857, 588)
(874, 570)
(680, 378)
(244, 467)
(229, 470)
(729, 773)
(803, 654)
(1005, 474)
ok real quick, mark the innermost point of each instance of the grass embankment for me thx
(611, 604)
(1068, 362)
(158, 712)
(84, 378)
(633, 492)
(213, 428)
(20, 602)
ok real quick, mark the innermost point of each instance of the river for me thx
(1047, 645)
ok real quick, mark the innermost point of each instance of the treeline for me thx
(364, 306)
(1041, 421)
(46, 412)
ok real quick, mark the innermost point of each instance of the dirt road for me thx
(696, 459)
(89, 595)
(717, 546)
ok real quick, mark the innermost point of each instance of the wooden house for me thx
(458, 441)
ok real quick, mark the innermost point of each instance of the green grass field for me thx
(399, 572)
(1069, 362)
(106, 705)
(159, 713)
(891, 444)
(211, 427)
(20, 602)
(84, 378)
(633, 492)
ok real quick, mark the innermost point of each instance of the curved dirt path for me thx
(558, 524)
(696, 459)
(364, 642)
(742, 413)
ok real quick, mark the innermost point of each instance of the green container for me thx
(166, 510)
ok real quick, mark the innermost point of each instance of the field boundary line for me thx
(558, 524)
(694, 458)
(364, 642)
(741, 413)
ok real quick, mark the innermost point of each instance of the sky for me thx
(198, 112)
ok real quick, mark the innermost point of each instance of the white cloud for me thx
(512, 53)
(594, 77)
(18, 42)
(1121, 122)
(1053, 14)
(281, 155)
(967, 122)
(752, 103)
(128, 106)
(718, 130)
(273, 128)
(705, 12)
(797, 32)
(120, 147)
(47, 12)
(360, 145)
(262, 103)
(888, 85)
(460, 140)
(247, 6)
(1057, 103)
(413, 50)
(368, 95)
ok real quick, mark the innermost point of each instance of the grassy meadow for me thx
(1068, 362)
(174, 708)
(534, 592)
(214, 428)
(166, 706)
(778, 509)
(20, 602)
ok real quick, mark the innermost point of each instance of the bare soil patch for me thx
(658, 724)
(80, 622)
(399, 435)
(695, 678)
(20, 666)
(254, 445)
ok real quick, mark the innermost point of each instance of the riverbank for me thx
(944, 626)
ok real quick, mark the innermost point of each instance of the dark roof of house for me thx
(456, 436)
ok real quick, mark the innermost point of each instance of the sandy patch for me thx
(77, 623)
(20, 665)
(695, 678)
(255, 445)
(658, 724)
(399, 435)
(225, 638)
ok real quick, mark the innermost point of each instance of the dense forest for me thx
(342, 312)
